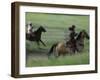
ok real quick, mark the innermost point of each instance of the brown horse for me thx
(80, 40)
(61, 48)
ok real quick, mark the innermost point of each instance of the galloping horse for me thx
(61, 48)
(36, 35)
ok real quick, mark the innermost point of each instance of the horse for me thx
(80, 40)
(36, 36)
(61, 48)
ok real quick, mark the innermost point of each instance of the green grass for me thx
(57, 30)
(58, 21)
(76, 59)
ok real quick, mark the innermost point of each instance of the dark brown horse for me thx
(80, 40)
(61, 48)
(36, 35)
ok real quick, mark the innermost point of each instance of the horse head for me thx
(41, 28)
(83, 34)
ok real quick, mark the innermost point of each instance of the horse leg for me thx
(38, 44)
(72, 51)
(42, 42)
(56, 55)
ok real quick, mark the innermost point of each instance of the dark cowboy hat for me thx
(72, 28)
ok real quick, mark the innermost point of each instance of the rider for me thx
(72, 40)
(30, 29)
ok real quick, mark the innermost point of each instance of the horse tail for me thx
(51, 49)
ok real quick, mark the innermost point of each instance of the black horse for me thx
(36, 35)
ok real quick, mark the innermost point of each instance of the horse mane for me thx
(80, 33)
(39, 28)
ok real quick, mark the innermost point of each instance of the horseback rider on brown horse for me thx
(75, 43)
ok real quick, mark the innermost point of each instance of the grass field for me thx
(57, 30)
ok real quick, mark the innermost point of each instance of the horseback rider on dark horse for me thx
(72, 39)
(34, 35)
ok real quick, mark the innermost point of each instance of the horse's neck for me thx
(38, 32)
(80, 40)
